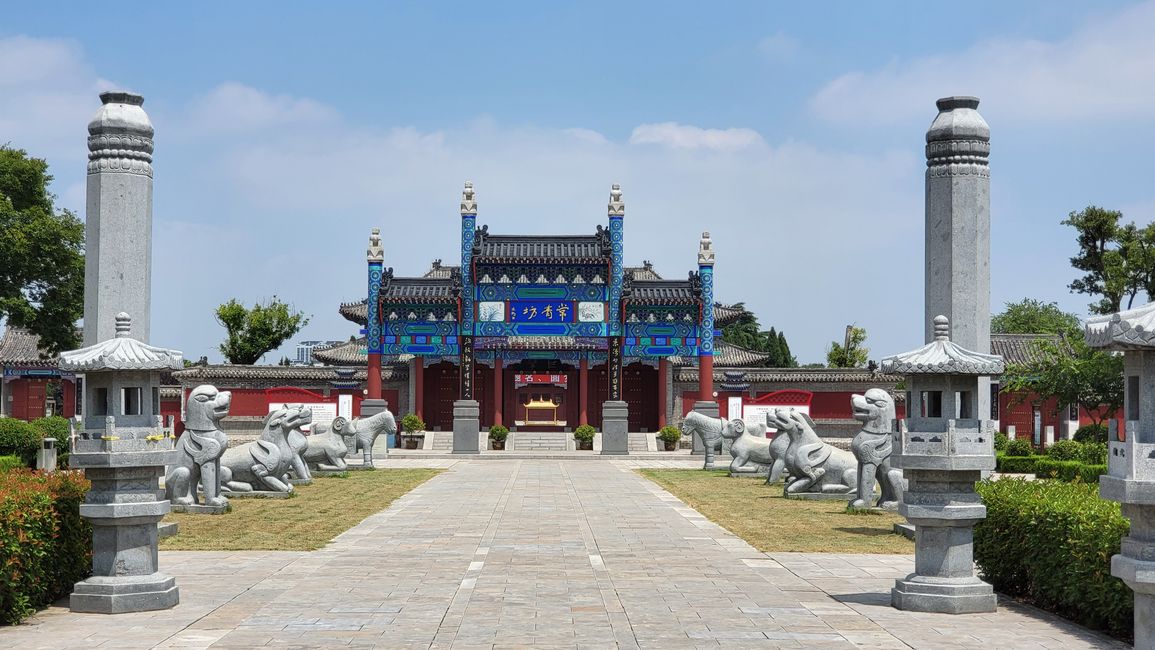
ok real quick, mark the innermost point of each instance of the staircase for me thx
(539, 441)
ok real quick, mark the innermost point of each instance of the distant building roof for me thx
(1018, 348)
(591, 249)
(19, 347)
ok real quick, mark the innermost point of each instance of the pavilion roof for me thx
(20, 347)
(529, 249)
(1126, 330)
(942, 357)
(121, 352)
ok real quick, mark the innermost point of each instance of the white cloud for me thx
(233, 107)
(779, 46)
(1102, 70)
(682, 136)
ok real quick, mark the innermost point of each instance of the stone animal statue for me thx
(813, 465)
(751, 450)
(201, 447)
(298, 442)
(708, 430)
(365, 432)
(261, 464)
(872, 446)
(327, 447)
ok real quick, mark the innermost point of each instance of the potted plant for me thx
(670, 435)
(497, 436)
(411, 425)
(584, 437)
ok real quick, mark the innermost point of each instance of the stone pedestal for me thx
(466, 425)
(615, 428)
(1131, 482)
(709, 409)
(124, 505)
(943, 507)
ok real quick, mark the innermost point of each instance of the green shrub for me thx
(46, 545)
(1019, 447)
(1093, 453)
(670, 433)
(1091, 433)
(1051, 543)
(1065, 450)
(411, 423)
(584, 433)
(10, 462)
(1001, 441)
(1016, 464)
(59, 428)
(1069, 470)
(19, 438)
(498, 433)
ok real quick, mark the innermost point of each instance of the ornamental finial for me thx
(468, 204)
(705, 250)
(941, 328)
(375, 253)
(617, 207)
(123, 325)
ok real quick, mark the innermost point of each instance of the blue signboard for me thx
(542, 311)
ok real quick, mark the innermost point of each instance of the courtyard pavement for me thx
(541, 553)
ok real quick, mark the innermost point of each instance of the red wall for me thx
(29, 395)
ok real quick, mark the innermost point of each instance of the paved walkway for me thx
(545, 554)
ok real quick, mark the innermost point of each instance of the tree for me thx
(41, 255)
(1030, 316)
(747, 333)
(1118, 260)
(850, 353)
(253, 332)
(1067, 368)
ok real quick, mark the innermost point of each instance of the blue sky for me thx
(793, 133)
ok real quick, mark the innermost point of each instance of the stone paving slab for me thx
(536, 553)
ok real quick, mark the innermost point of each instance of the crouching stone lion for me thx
(200, 447)
(873, 448)
(261, 464)
(813, 465)
(753, 452)
(327, 446)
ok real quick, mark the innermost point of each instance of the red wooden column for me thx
(373, 376)
(663, 369)
(419, 386)
(706, 378)
(497, 386)
(583, 389)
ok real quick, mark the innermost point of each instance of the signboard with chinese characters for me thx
(541, 311)
(520, 380)
(323, 412)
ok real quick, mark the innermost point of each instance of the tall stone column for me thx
(118, 223)
(615, 411)
(466, 410)
(706, 403)
(375, 259)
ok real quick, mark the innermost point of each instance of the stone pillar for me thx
(466, 426)
(498, 380)
(419, 387)
(663, 407)
(583, 390)
(615, 428)
(375, 257)
(466, 411)
(118, 223)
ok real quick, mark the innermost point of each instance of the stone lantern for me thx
(123, 449)
(1130, 477)
(942, 448)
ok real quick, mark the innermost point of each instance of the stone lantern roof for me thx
(121, 353)
(1126, 330)
(943, 357)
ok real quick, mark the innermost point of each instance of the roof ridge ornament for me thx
(123, 325)
(941, 328)
(617, 207)
(705, 251)
(375, 253)
(468, 203)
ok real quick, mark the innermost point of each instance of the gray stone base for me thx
(943, 595)
(906, 530)
(761, 474)
(123, 594)
(323, 473)
(200, 509)
(258, 494)
(356, 468)
(300, 481)
(820, 496)
(615, 428)
(166, 529)
(466, 425)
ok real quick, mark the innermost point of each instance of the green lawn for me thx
(318, 513)
(759, 514)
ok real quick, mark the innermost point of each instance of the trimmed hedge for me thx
(19, 438)
(1065, 450)
(584, 433)
(1051, 543)
(1091, 433)
(1001, 441)
(1069, 470)
(1094, 453)
(1019, 447)
(1005, 464)
(45, 545)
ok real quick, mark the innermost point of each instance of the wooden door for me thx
(640, 391)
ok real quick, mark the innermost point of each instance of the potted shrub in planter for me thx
(670, 435)
(497, 436)
(411, 425)
(584, 437)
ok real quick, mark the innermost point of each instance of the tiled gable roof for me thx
(19, 347)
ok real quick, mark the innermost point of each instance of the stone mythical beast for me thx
(200, 447)
(708, 430)
(813, 465)
(872, 447)
(753, 452)
(261, 464)
(365, 432)
(327, 447)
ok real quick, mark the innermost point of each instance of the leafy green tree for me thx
(1030, 316)
(1118, 260)
(1067, 368)
(747, 333)
(850, 353)
(41, 255)
(253, 332)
